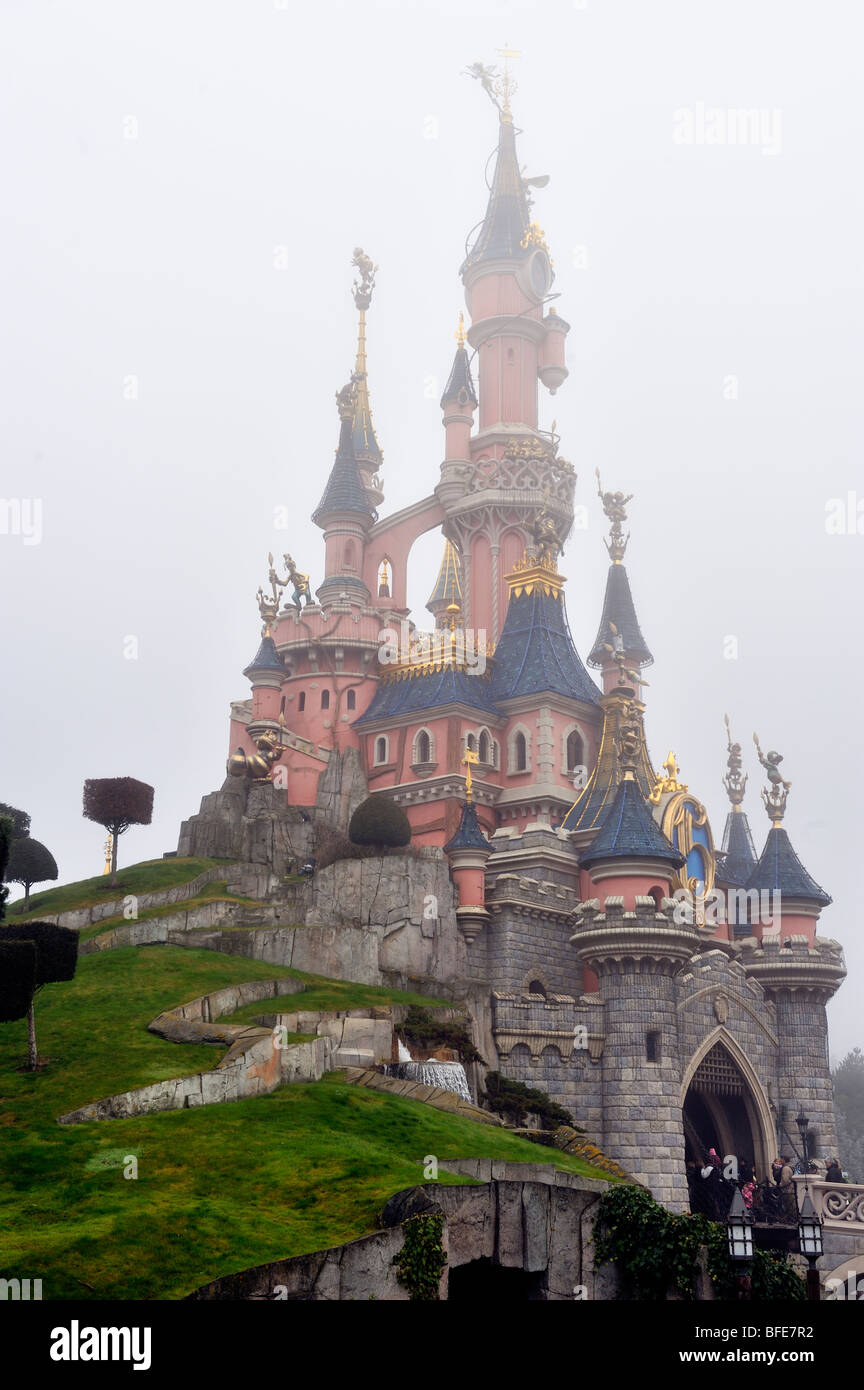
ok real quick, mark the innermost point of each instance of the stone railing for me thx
(839, 1204)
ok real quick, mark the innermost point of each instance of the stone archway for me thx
(724, 1104)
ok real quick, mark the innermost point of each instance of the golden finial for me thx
(470, 758)
(774, 797)
(460, 331)
(108, 850)
(454, 610)
(363, 286)
(506, 84)
(670, 782)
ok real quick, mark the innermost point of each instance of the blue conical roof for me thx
(469, 835)
(507, 219)
(629, 831)
(460, 386)
(535, 652)
(344, 491)
(738, 856)
(619, 609)
(779, 868)
(265, 659)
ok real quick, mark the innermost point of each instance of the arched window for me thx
(381, 749)
(325, 699)
(422, 747)
(520, 752)
(658, 895)
(348, 561)
(471, 742)
(351, 699)
(484, 747)
(301, 701)
(537, 987)
(575, 751)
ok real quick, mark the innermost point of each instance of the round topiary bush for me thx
(379, 821)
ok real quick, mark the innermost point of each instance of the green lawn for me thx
(147, 877)
(219, 1188)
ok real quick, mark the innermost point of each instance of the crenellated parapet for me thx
(609, 939)
(539, 1022)
(522, 895)
(792, 964)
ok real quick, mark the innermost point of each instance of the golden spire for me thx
(365, 440)
(460, 331)
(614, 505)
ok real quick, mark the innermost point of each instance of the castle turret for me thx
(619, 640)
(446, 597)
(635, 948)
(468, 851)
(737, 857)
(458, 404)
(496, 482)
(344, 513)
(266, 674)
(798, 970)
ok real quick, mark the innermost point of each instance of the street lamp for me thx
(810, 1244)
(739, 1233)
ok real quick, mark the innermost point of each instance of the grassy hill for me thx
(149, 876)
(219, 1188)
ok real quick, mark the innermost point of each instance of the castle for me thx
(670, 994)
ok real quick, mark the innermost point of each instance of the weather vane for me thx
(499, 87)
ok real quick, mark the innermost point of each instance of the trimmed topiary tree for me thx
(5, 845)
(17, 978)
(56, 951)
(116, 803)
(20, 820)
(30, 862)
(379, 821)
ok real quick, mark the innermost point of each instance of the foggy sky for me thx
(183, 186)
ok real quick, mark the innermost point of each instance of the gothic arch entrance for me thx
(724, 1105)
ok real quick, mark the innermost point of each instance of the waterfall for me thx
(447, 1076)
(404, 1054)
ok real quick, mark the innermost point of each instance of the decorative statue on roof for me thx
(257, 767)
(775, 798)
(365, 285)
(615, 507)
(547, 543)
(297, 581)
(735, 780)
(346, 399)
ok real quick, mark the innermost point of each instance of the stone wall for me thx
(527, 1217)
